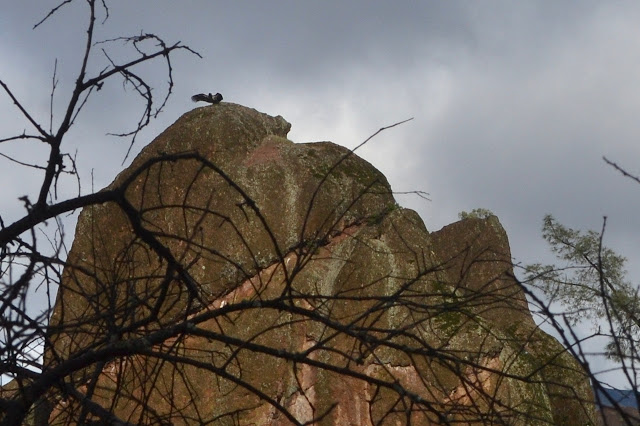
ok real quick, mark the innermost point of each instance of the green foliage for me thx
(478, 213)
(590, 283)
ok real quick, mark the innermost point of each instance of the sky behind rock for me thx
(514, 103)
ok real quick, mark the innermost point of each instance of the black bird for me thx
(212, 99)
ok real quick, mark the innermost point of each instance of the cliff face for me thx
(266, 282)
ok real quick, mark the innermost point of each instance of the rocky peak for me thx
(318, 297)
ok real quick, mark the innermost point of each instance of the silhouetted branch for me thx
(621, 170)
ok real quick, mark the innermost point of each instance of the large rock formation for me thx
(266, 282)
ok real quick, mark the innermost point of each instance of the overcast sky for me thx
(514, 103)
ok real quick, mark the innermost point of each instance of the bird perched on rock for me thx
(212, 99)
